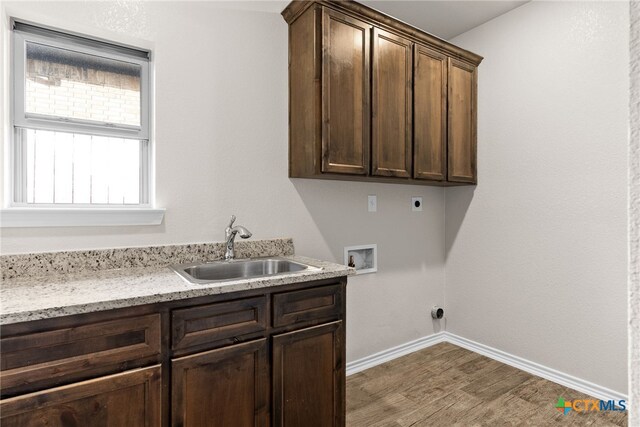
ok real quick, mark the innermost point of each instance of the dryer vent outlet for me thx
(437, 312)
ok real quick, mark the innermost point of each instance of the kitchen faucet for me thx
(230, 235)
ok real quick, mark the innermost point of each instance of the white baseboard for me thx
(545, 372)
(394, 353)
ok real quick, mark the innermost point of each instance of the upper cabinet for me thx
(430, 71)
(462, 122)
(345, 91)
(374, 99)
(391, 105)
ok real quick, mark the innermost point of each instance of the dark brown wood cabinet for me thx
(263, 357)
(430, 72)
(127, 399)
(345, 87)
(222, 321)
(462, 122)
(308, 306)
(77, 350)
(308, 389)
(391, 105)
(375, 99)
(226, 387)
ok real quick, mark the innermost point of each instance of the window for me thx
(80, 122)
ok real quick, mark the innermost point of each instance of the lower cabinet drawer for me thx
(299, 307)
(214, 322)
(48, 358)
(132, 398)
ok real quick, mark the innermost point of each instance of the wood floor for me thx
(445, 385)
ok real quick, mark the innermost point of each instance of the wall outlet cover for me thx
(372, 203)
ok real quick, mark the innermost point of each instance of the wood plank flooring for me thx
(445, 385)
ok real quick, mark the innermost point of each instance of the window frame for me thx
(21, 120)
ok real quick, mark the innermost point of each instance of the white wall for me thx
(221, 140)
(536, 255)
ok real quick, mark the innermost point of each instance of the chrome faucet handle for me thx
(230, 235)
(233, 219)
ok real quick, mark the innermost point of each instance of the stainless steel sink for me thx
(219, 271)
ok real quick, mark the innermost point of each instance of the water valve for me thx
(437, 312)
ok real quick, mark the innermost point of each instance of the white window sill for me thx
(79, 217)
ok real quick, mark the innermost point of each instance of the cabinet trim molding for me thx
(298, 7)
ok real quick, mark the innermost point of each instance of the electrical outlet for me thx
(372, 203)
(416, 204)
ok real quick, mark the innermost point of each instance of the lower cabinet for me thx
(308, 377)
(131, 398)
(259, 358)
(227, 387)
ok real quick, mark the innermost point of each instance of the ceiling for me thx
(445, 19)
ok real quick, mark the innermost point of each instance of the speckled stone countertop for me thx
(58, 287)
(32, 298)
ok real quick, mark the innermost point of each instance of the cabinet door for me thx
(391, 139)
(227, 387)
(462, 122)
(430, 114)
(309, 377)
(128, 399)
(345, 94)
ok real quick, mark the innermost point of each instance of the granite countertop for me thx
(32, 298)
